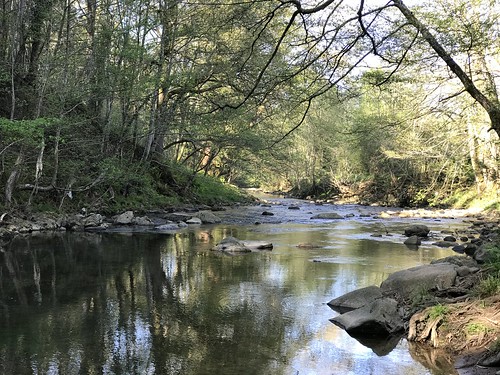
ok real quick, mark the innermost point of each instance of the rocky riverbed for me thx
(453, 279)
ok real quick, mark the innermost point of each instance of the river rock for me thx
(419, 230)
(444, 244)
(327, 216)
(420, 279)
(194, 221)
(483, 255)
(450, 239)
(355, 299)
(170, 227)
(208, 217)
(413, 241)
(268, 213)
(258, 245)
(92, 220)
(141, 221)
(378, 318)
(231, 245)
(124, 218)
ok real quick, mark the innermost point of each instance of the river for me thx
(149, 303)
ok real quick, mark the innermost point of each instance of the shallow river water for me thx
(163, 303)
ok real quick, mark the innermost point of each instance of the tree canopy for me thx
(105, 101)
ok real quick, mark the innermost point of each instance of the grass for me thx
(438, 311)
(488, 286)
(475, 328)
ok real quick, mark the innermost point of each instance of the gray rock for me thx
(142, 221)
(327, 216)
(483, 255)
(124, 218)
(92, 220)
(413, 241)
(258, 245)
(378, 318)
(231, 245)
(420, 279)
(355, 299)
(444, 244)
(419, 230)
(194, 221)
(168, 227)
(267, 213)
(450, 239)
(208, 217)
(490, 360)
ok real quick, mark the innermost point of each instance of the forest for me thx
(116, 104)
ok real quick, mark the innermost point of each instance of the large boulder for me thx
(378, 318)
(420, 279)
(231, 245)
(419, 230)
(124, 218)
(208, 217)
(355, 299)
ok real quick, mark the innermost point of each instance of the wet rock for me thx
(268, 213)
(413, 241)
(407, 283)
(419, 230)
(327, 216)
(490, 360)
(170, 227)
(378, 318)
(308, 245)
(459, 249)
(450, 239)
(208, 217)
(355, 299)
(194, 221)
(231, 245)
(293, 207)
(258, 245)
(470, 249)
(444, 244)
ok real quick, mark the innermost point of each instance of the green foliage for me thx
(209, 190)
(27, 131)
(488, 286)
(438, 311)
(475, 328)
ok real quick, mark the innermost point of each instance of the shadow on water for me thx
(144, 303)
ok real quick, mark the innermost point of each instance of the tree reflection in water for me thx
(82, 303)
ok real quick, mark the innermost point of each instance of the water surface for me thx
(149, 303)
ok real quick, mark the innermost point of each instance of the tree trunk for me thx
(11, 181)
(491, 105)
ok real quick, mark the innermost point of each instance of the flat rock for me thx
(419, 279)
(327, 216)
(258, 245)
(194, 221)
(355, 299)
(231, 245)
(378, 318)
(208, 217)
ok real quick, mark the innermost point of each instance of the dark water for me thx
(143, 303)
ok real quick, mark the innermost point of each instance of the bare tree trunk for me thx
(11, 181)
(491, 105)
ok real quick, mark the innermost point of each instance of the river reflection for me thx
(165, 304)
